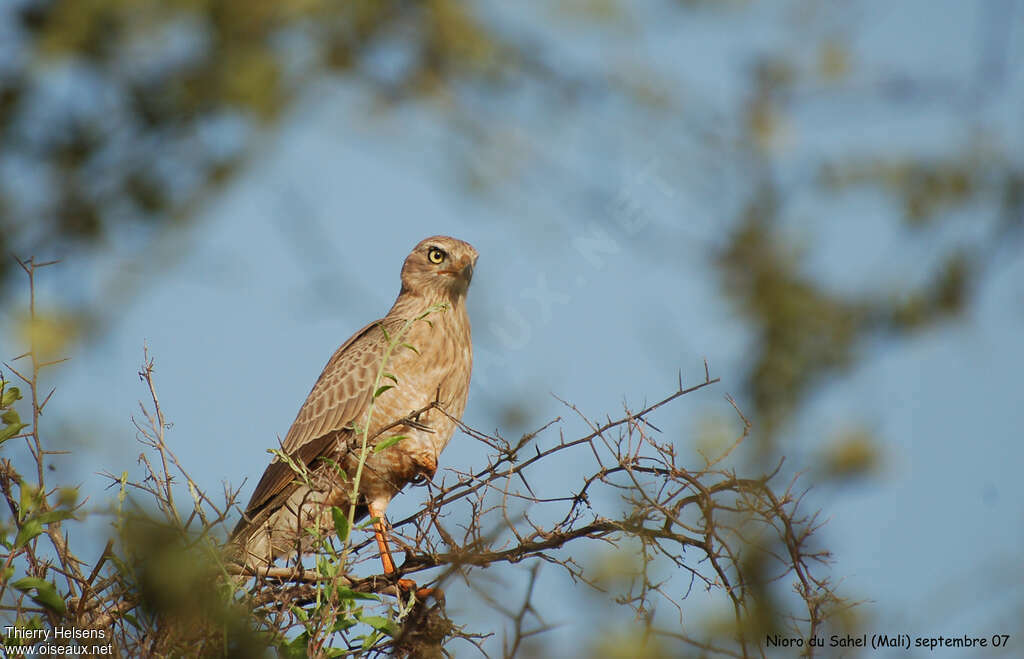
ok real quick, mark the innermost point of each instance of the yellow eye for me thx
(436, 255)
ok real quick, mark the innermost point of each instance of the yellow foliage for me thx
(833, 61)
(456, 33)
(48, 334)
(630, 644)
(619, 565)
(853, 453)
(250, 79)
(715, 436)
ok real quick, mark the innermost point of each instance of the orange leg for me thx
(380, 531)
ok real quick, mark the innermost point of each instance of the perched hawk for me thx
(422, 350)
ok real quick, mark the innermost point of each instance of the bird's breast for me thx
(435, 369)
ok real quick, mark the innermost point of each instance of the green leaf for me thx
(29, 530)
(13, 422)
(411, 347)
(345, 593)
(122, 493)
(369, 640)
(11, 431)
(297, 649)
(33, 527)
(381, 389)
(390, 376)
(11, 394)
(55, 516)
(367, 523)
(381, 624)
(46, 593)
(49, 598)
(67, 496)
(27, 498)
(338, 471)
(341, 524)
(27, 583)
(389, 442)
(343, 623)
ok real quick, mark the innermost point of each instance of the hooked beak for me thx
(465, 272)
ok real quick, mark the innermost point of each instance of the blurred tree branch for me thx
(122, 118)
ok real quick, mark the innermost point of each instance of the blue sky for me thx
(242, 309)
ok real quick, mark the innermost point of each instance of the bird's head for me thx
(439, 266)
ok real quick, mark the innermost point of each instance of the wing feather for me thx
(339, 399)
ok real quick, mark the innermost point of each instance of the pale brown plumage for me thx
(430, 316)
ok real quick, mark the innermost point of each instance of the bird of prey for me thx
(405, 375)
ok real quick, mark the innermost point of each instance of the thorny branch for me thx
(707, 524)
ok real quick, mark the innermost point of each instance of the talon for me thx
(388, 563)
(422, 594)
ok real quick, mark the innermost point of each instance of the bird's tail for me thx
(275, 532)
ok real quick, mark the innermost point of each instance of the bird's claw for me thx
(409, 586)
